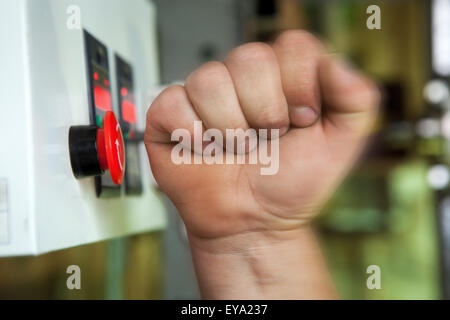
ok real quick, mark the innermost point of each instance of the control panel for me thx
(133, 137)
(100, 101)
(73, 166)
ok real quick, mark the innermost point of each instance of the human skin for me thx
(250, 234)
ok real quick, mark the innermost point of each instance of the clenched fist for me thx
(322, 108)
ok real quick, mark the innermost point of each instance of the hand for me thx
(248, 232)
(323, 108)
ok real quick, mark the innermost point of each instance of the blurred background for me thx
(392, 211)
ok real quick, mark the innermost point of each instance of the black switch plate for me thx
(128, 118)
(100, 101)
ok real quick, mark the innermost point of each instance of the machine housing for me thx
(45, 90)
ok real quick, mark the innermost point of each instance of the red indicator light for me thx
(123, 91)
(106, 83)
(128, 111)
(102, 98)
(95, 76)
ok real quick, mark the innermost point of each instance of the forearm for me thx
(283, 265)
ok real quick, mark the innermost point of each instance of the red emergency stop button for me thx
(94, 150)
(111, 147)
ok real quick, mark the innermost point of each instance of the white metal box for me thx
(44, 91)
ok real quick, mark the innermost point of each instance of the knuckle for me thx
(172, 94)
(254, 51)
(209, 74)
(299, 38)
(169, 99)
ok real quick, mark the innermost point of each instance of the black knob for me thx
(83, 151)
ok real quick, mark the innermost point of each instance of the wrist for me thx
(261, 265)
(247, 242)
